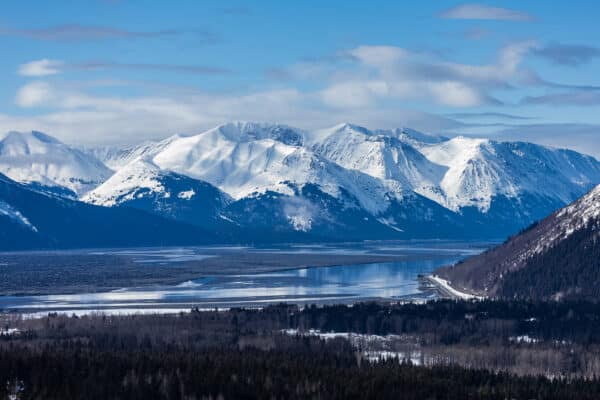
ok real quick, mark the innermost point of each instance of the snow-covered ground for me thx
(445, 285)
(523, 339)
(374, 348)
(9, 332)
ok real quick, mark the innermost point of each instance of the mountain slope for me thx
(30, 219)
(34, 157)
(117, 157)
(478, 170)
(382, 156)
(556, 258)
(143, 185)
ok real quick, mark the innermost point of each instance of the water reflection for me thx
(340, 284)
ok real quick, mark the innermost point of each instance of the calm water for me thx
(339, 284)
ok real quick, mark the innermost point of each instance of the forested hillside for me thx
(557, 258)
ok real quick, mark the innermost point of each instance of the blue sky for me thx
(123, 71)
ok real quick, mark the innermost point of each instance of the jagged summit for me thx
(244, 131)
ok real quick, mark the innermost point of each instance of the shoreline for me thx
(445, 289)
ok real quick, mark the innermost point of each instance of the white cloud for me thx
(79, 117)
(379, 56)
(372, 85)
(483, 12)
(384, 73)
(43, 67)
(34, 94)
(498, 74)
(455, 94)
(354, 94)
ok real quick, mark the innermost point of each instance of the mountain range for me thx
(248, 182)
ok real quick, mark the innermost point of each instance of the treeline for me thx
(449, 321)
(141, 361)
(440, 322)
(242, 353)
(81, 370)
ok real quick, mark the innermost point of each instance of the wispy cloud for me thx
(581, 137)
(568, 54)
(34, 94)
(192, 69)
(43, 67)
(483, 12)
(67, 112)
(387, 72)
(77, 32)
(377, 86)
(46, 67)
(117, 119)
(496, 115)
(375, 80)
(573, 98)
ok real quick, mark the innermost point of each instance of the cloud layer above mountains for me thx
(505, 91)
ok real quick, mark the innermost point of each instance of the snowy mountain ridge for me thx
(246, 158)
(384, 173)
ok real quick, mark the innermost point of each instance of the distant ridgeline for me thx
(247, 182)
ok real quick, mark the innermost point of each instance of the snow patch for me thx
(187, 194)
(457, 293)
(9, 332)
(14, 214)
(523, 339)
(300, 212)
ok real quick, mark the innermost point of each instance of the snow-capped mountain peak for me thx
(241, 167)
(412, 137)
(481, 170)
(36, 157)
(142, 184)
(339, 130)
(136, 178)
(244, 131)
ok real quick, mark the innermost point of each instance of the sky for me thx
(123, 71)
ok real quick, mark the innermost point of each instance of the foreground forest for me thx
(439, 350)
